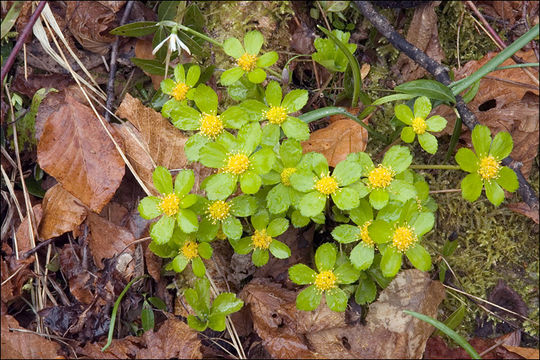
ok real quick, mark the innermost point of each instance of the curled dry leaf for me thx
(24, 243)
(62, 212)
(338, 140)
(527, 353)
(75, 149)
(18, 273)
(24, 345)
(79, 279)
(153, 141)
(524, 209)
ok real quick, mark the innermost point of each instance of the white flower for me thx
(174, 44)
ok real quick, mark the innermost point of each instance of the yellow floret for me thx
(286, 176)
(404, 237)
(261, 240)
(380, 177)
(169, 204)
(325, 280)
(364, 234)
(190, 249)
(488, 168)
(218, 210)
(247, 62)
(237, 164)
(211, 125)
(180, 90)
(277, 115)
(327, 185)
(419, 125)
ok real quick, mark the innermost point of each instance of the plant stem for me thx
(518, 66)
(274, 72)
(202, 36)
(435, 167)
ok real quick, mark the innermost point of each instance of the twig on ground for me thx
(114, 54)
(441, 74)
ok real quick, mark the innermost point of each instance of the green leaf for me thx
(154, 67)
(257, 76)
(362, 256)
(346, 233)
(163, 251)
(398, 157)
(250, 137)
(267, 60)
(422, 107)
(217, 322)
(277, 227)
(325, 257)
(136, 29)
(404, 113)
(187, 221)
(179, 263)
(260, 257)
(408, 134)
(220, 186)
(507, 179)
(419, 257)
(254, 108)
(186, 118)
(481, 139)
(346, 198)
(243, 205)
(467, 160)
(207, 230)
(362, 213)
(184, 182)
(428, 142)
(502, 145)
(231, 76)
(455, 319)
(188, 201)
(234, 117)
(260, 220)
(232, 227)
(205, 250)
(278, 199)
(336, 299)
(378, 198)
(193, 75)
(423, 223)
(250, 182)
(147, 317)
(290, 152)
(279, 249)
(273, 93)
(430, 88)
(302, 274)
(380, 231)
(346, 273)
(302, 181)
(347, 172)
(162, 180)
(308, 299)
(157, 303)
(10, 18)
(270, 134)
(366, 291)
(193, 146)
(162, 230)
(471, 187)
(167, 86)
(295, 100)
(295, 128)
(436, 123)
(196, 324)
(226, 303)
(298, 220)
(206, 99)
(167, 10)
(253, 41)
(179, 73)
(149, 207)
(263, 160)
(494, 192)
(312, 204)
(401, 190)
(233, 47)
(391, 262)
(198, 267)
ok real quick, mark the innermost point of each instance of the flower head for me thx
(218, 210)
(419, 125)
(381, 177)
(236, 163)
(169, 204)
(488, 167)
(247, 62)
(276, 115)
(325, 280)
(190, 251)
(286, 175)
(174, 43)
(261, 240)
(326, 185)
(211, 125)
(364, 233)
(404, 237)
(180, 88)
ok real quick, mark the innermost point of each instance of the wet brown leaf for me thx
(76, 150)
(91, 21)
(62, 212)
(436, 348)
(23, 345)
(107, 240)
(154, 140)
(34, 82)
(24, 242)
(337, 140)
(524, 209)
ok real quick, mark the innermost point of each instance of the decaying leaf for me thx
(524, 209)
(527, 353)
(24, 345)
(23, 232)
(153, 141)
(79, 279)
(143, 50)
(337, 140)
(17, 272)
(62, 212)
(436, 348)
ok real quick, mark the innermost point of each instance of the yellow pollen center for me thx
(247, 62)
(325, 280)
(327, 185)
(276, 115)
(237, 164)
(286, 176)
(180, 90)
(488, 168)
(218, 210)
(403, 238)
(261, 240)
(419, 125)
(380, 177)
(211, 125)
(364, 234)
(220, 234)
(169, 204)
(190, 249)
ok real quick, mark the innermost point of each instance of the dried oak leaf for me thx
(24, 243)
(152, 140)
(62, 212)
(23, 345)
(75, 149)
(337, 140)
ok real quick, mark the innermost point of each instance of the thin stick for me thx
(444, 191)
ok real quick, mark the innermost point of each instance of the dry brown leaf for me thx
(338, 140)
(436, 348)
(527, 353)
(24, 242)
(23, 345)
(107, 240)
(524, 209)
(62, 212)
(153, 141)
(79, 279)
(174, 339)
(75, 149)
(125, 348)
(12, 288)
(90, 23)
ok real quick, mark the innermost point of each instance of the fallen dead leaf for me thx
(79, 279)
(17, 272)
(24, 242)
(75, 149)
(437, 348)
(153, 141)
(24, 345)
(62, 212)
(125, 348)
(338, 140)
(524, 209)
(143, 50)
(527, 353)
